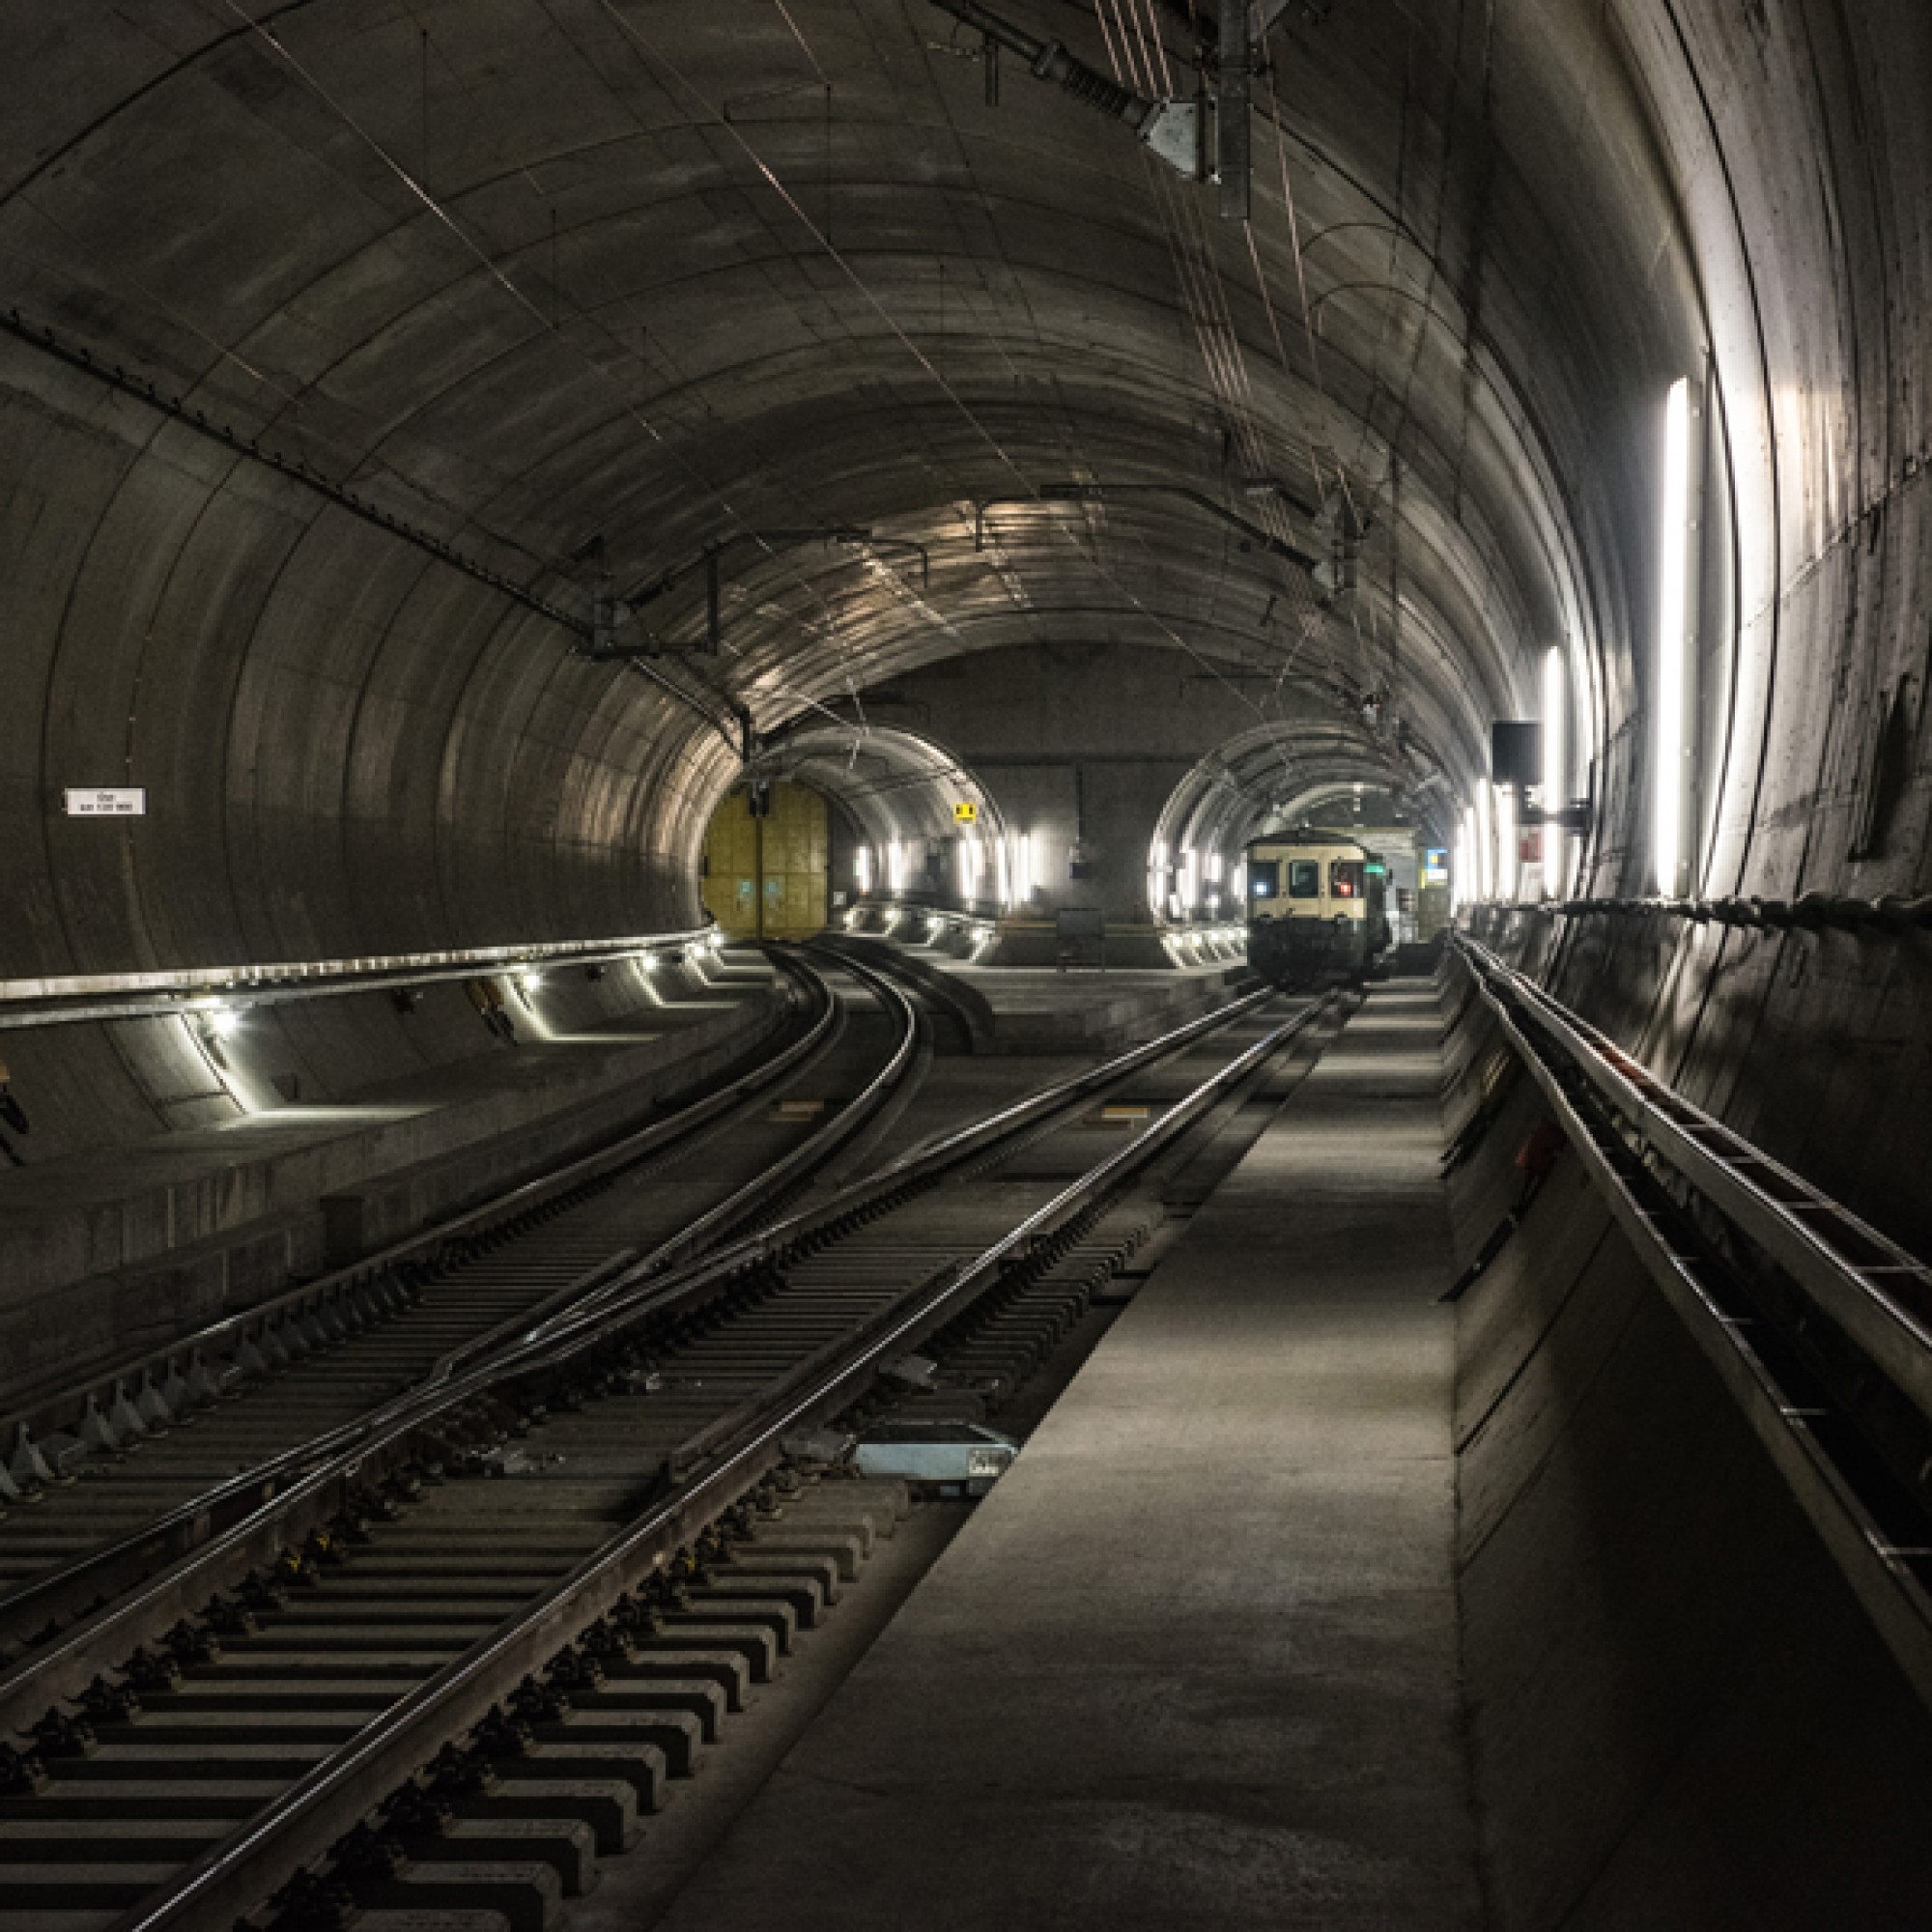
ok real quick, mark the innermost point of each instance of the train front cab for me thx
(1315, 916)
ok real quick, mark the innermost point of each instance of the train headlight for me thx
(987, 1463)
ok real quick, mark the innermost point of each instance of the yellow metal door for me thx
(776, 864)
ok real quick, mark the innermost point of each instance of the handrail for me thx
(1876, 1291)
(1891, 913)
(304, 1820)
(60, 999)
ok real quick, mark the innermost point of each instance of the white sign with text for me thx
(107, 801)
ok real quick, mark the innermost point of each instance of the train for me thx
(1316, 908)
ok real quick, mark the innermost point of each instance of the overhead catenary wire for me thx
(444, 219)
(1204, 298)
(551, 324)
(653, 53)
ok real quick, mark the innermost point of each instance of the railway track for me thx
(526, 1594)
(152, 1448)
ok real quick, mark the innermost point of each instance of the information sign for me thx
(106, 802)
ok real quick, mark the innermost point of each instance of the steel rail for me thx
(1879, 1572)
(809, 1155)
(304, 1820)
(365, 1450)
(1876, 1291)
(186, 1526)
(53, 1411)
(919, 1164)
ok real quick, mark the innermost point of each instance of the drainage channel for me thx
(525, 1634)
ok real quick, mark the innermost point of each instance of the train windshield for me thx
(1263, 879)
(1345, 879)
(1304, 879)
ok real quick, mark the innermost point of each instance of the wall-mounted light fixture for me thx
(1555, 770)
(1020, 868)
(1464, 882)
(1673, 647)
(210, 1029)
(1156, 875)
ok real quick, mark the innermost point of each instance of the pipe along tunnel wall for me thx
(1680, 1718)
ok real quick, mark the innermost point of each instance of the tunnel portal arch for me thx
(1265, 780)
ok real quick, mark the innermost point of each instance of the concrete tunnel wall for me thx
(358, 750)
(402, 759)
(1681, 1719)
(1804, 168)
(349, 749)
(1516, 225)
(1095, 741)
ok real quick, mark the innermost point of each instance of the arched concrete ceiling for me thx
(1271, 776)
(892, 783)
(534, 274)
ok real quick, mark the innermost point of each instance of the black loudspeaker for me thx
(1515, 752)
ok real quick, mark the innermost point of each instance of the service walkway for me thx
(1193, 1664)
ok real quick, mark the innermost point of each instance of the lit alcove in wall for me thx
(766, 862)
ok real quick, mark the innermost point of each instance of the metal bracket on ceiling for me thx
(1348, 528)
(1178, 132)
(726, 716)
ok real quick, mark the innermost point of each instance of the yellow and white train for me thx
(1317, 907)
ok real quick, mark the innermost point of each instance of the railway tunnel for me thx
(660, 1262)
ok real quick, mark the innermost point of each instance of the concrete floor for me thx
(1194, 1662)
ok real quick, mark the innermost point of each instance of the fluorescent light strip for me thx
(1509, 864)
(1556, 771)
(1673, 640)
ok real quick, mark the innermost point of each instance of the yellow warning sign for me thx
(966, 811)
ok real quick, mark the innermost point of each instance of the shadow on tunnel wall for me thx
(1681, 1717)
(1815, 1044)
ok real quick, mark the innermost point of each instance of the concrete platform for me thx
(1193, 1664)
